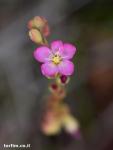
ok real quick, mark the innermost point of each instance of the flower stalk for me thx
(57, 65)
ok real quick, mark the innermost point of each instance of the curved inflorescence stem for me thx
(57, 114)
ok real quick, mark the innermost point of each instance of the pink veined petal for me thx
(66, 67)
(69, 51)
(42, 54)
(56, 46)
(49, 69)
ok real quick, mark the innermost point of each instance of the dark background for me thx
(89, 25)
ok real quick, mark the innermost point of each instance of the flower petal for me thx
(66, 67)
(57, 46)
(49, 69)
(69, 51)
(42, 54)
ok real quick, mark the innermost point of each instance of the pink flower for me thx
(56, 60)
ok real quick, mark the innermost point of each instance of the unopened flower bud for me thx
(52, 125)
(35, 36)
(63, 79)
(39, 23)
(70, 124)
(54, 87)
(58, 91)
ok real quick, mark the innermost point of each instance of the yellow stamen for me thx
(56, 59)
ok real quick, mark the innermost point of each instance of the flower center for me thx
(56, 59)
